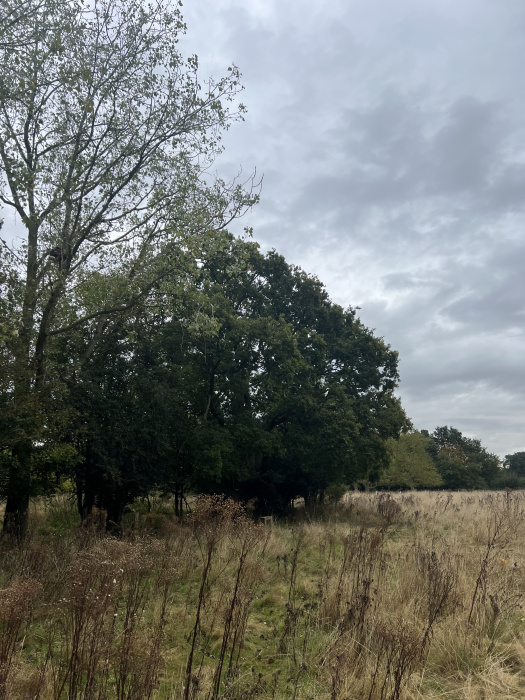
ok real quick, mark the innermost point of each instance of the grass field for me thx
(402, 596)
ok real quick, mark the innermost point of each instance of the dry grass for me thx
(383, 597)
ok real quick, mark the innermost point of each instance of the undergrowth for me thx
(379, 597)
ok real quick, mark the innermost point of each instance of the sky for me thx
(391, 138)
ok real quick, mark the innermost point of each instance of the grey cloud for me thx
(501, 308)
(390, 158)
(453, 369)
(497, 301)
(463, 153)
(507, 191)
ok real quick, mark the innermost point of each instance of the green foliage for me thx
(302, 388)
(463, 462)
(515, 463)
(249, 381)
(411, 465)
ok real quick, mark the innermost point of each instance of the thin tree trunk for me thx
(85, 498)
(19, 480)
(18, 491)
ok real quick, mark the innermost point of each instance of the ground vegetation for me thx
(379, 597)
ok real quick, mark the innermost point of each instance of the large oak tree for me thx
(251, 382)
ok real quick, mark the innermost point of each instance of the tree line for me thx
(448, 459)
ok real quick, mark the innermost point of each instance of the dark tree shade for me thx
(249, 381)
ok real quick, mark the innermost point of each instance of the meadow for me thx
(379, 597)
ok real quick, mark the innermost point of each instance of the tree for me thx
(411, 465)
(515, 463)
(463, 462)
(106, 138)
(135, 426)
(247, 380)
(304, 392)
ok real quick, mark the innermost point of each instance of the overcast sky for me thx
(391, 136)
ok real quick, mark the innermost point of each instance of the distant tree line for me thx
(447, 459)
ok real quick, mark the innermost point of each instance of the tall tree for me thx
(463, 462)
(248, 381)
(515, 463)
(105, 136)
(303, 389)
(411, 465)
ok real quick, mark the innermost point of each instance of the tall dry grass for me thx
(381, 597)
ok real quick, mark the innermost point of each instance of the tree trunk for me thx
(115, 510)
(176, 499)
(179, 500)
(19, 480)
(85, 499)
(18, 490)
